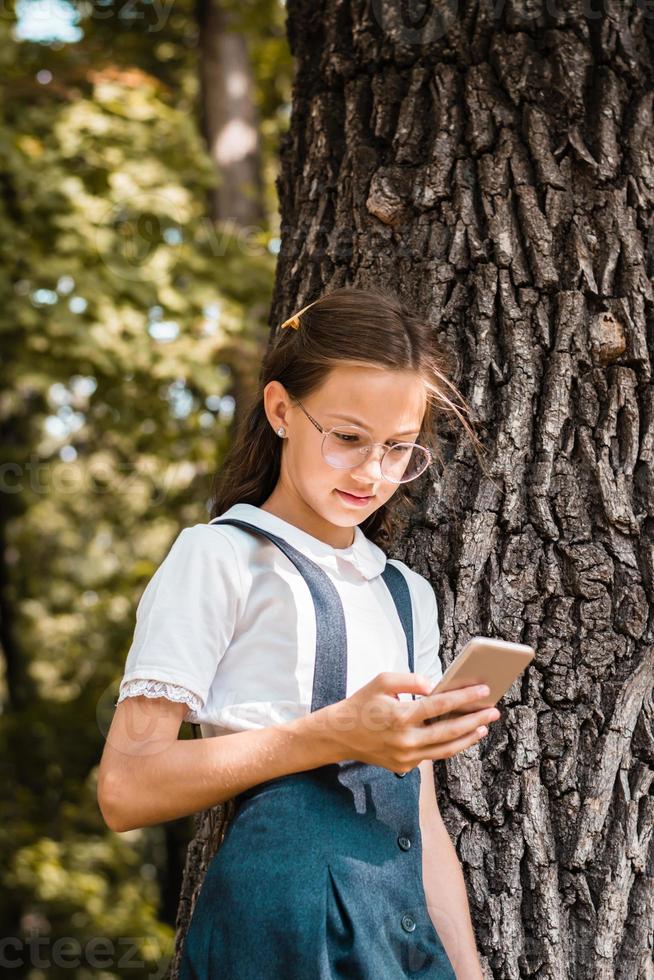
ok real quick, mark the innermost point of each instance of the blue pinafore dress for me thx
(319, 874)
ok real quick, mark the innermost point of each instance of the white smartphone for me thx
(483, 660)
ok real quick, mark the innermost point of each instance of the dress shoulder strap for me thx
(319, 582)
(401, 593)
(330, 673)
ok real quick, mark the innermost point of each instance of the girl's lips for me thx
(350, 498)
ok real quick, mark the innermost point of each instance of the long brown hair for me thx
(347, 324)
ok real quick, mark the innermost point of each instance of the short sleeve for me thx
(427, 639)
(187, 614)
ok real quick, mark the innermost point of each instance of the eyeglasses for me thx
(346, 446)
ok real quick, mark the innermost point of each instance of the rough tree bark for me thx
(495, 164)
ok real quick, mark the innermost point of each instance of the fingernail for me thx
(483, 690)
(483, 730)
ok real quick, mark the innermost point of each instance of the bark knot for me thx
(607, 337)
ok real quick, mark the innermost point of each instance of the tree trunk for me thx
(495, 165)
(229, 116)
(210, 827)
(231, 129)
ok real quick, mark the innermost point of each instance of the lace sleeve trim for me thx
(163, 689)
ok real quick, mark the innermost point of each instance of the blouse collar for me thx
(363, 554)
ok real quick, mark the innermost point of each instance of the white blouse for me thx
(227, 625)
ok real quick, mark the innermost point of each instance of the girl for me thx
(282, 629)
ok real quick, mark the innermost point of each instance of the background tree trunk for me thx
(231, 127)
(229, 116)
(495, 165)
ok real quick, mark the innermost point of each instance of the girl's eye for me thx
(346, 437)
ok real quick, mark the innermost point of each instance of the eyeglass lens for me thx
(347, 447)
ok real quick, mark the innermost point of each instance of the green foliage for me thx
(121, 307)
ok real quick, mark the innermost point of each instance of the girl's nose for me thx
(371, 466)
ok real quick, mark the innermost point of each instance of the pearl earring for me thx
(281, 431)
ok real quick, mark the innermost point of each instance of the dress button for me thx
(408, 923)
(404, 843)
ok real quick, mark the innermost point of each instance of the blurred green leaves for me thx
(125, 318)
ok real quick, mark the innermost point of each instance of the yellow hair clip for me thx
(294, 321)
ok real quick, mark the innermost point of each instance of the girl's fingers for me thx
(460, 699)
(394, 682)
(444, 750)
(446, 731)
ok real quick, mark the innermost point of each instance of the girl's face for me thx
(388, 405)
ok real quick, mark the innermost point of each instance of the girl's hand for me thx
(375, 727)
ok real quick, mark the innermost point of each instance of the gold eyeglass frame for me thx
(385, 446)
